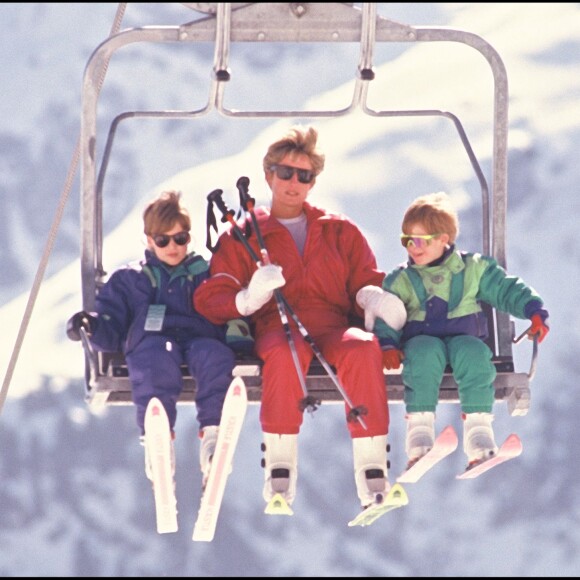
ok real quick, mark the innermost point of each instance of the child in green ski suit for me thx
(442, 289)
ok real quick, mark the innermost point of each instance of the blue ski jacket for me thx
(123, 304)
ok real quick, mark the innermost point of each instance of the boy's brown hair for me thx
(164, 212)
(299, 140)
(435, 212)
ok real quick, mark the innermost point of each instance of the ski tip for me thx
(155, 412)
(237, 382)
(154, 409)
(278, 506)
(449, 435)
(237, 388)
(512, 447)
(514, 443)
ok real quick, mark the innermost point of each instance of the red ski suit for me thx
(320, 287)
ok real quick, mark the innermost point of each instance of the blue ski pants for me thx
(154, 370)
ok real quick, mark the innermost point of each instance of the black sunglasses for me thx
(286, 173)
(162, 240)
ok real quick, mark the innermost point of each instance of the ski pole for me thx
(534, 362)
(247, 204)
(309, 402)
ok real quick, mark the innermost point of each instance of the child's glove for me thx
(378, 303)
(539, 328)
(260, 289)
(77, 321)
(392, 358)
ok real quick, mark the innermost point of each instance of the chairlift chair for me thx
(107, 380)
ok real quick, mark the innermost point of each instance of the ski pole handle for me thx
(216, 197)
(228, 216)
(246, 201)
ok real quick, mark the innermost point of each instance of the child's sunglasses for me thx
(286, 172)
(417, 240)
(162, 240)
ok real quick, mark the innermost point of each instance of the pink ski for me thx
(511, 447)
(444, 445)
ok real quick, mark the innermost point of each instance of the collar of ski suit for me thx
(191, 265)
(454, 263)
(313, 214)
(442, 260)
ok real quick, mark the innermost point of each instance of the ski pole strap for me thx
(210, 223)
(215, 197)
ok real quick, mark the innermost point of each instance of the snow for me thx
(520, 523)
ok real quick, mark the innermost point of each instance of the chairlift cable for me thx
(51, 237)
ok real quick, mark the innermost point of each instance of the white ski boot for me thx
(281, 466)
(370, 469)
(478, 439)
(420, 435)
(208, 436)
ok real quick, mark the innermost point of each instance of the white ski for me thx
(158, 444)
(233, 414)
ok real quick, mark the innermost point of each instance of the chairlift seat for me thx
(114, 385)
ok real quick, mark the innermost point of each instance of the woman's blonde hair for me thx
(435, 212)
(164, 212)
(298, 140)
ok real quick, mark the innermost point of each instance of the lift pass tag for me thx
(155, 316)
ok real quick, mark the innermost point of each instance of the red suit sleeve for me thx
(230, 271)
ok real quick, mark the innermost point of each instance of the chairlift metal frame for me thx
(107, 380)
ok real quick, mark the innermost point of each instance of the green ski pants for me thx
(470, 359)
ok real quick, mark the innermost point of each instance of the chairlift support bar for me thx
(228, 23)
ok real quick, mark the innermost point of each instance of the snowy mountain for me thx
(75, 501)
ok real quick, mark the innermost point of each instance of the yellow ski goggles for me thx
(417, 240)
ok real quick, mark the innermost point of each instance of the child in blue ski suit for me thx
(146, 311)
(442, 289)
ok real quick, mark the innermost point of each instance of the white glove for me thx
(260, 289)
(376, 302)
